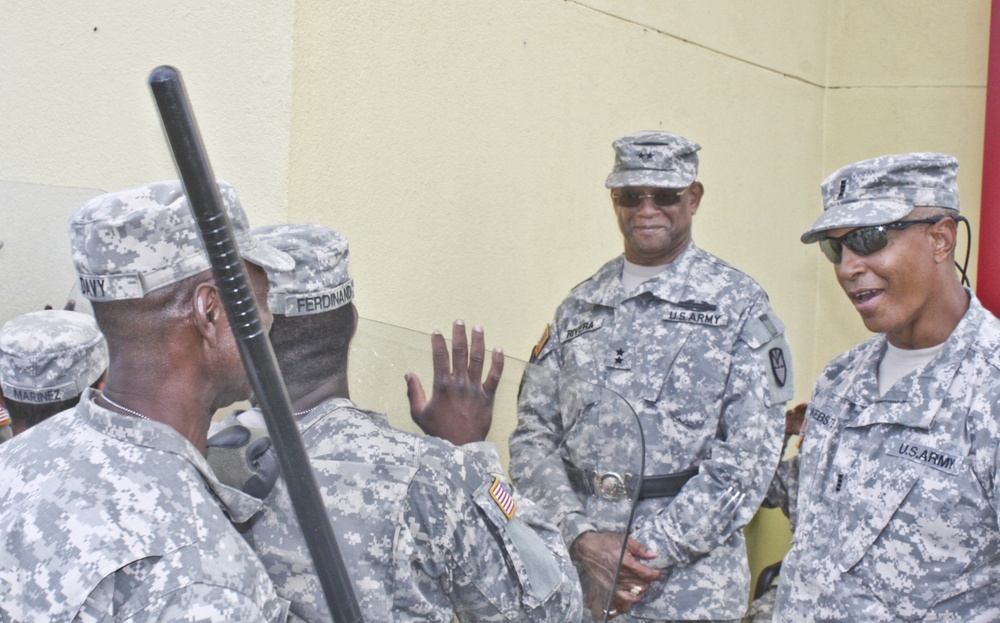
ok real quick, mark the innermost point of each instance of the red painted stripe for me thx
(987, 284)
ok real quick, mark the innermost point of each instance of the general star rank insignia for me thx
(619, 358)
(503, 498)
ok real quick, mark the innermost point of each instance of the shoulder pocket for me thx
(765, 335)
(537, 570)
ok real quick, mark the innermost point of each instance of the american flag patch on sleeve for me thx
(503, 498)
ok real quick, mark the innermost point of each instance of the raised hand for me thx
(461, 407)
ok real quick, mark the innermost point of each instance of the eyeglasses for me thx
(865, 240)
(663, 198)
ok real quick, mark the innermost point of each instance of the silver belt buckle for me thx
(609, 485)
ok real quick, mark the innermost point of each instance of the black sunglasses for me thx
(631, 198)
(866, 240)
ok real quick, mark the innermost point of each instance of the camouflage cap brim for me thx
(856, 214)
(253, 249)
(651, 178)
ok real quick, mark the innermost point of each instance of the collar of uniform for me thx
(927, 388)
(157, 436)
(331, 405)
(858, 382)
(673, 283)
(605, 287)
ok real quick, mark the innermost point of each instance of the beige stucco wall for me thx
(75, 113)
(462, 146)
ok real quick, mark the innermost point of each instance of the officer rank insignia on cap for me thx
(503, 498)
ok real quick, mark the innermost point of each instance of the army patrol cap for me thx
(50, 356)
(126, 244)
(884, 190)
(319, 282)
(655, 159)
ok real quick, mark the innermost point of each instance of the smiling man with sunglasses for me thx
(693, 346)
(899, 480)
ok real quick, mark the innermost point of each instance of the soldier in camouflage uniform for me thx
(693, 346)
(431, 530)
(109, 510)
(47, 359)
(899, 474)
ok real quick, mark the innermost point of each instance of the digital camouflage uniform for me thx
(107, 516)
(114, 517)
(702, 360)
(900, 493)
(429, 530)
(424, 537)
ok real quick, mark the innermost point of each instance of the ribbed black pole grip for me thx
(255, 348)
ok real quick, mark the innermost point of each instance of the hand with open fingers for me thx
(461, 407)
(597, 554)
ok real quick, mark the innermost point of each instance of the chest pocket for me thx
(583, 345)
(870, 525)
(687, 374)
(594, 419)
(537, 570)
(914, 534)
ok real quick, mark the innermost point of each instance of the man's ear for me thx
(696, 191)
(208, 314)
(944, 237)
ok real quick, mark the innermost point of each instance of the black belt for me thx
(666, 486)
(616, 485)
